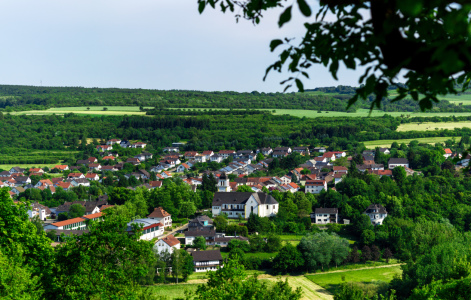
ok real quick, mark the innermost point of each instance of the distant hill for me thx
(16, 97)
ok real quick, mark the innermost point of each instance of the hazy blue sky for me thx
(158, 44)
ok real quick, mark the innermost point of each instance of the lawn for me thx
(431, 126)
(172, 291)
(261, 255)
(387, 143)
(332, 281)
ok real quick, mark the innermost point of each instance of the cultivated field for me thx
(431, 126)
(457, 99)
(332, 281)
(387, 143)
(94, 110)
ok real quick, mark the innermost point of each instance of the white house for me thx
(217, 158)
(315, 186)
(209, 260)
(448, 152)
(183, 167)
(151, 228)
(398, 162)
(325, 215)
(243, 204)
(377, 213)
(208, 233)
(168, 243)
(160, 215)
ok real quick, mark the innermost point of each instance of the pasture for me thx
(431, 126)
(387, 143)
(332, 281)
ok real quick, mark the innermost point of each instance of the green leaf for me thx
(274, 44)
(285, 16)
(300, 85)
(304, 8)
(201, 6)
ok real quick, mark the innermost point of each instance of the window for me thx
(267, 206)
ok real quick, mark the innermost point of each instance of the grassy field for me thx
(431, 126)
(331, 281)
(457, 99)
(261, 255)
(94, 110)
(134, 110)
(387, 143)
(172, 291)
(26, 166)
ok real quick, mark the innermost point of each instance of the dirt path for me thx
(348, 270)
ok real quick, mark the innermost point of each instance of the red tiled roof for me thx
(293, 185)
(340, 168)
(109, 157)
(448, 151)
(171, 240)
(226, 151)
(75, 174)
(155, 183)
(68, 222)
(93, 216)
(60, 167)
(64, 185)
(35, 169)
(90, 175)
(158, 212)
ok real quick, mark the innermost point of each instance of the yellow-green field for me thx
(332, 281)
(94, 110)
(26, 166)
(431, 126)
(387, 143)
(134, 110)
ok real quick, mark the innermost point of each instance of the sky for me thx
(151, 44)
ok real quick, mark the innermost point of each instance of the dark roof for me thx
(200, 220)
(240, 198)
(327, 211)
(398, 161)
(21, 178)
(209, 255)
(376, 208)
(368, 157)
(200, 233)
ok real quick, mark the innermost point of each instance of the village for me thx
(237, 194)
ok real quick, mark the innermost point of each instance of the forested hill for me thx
(16, 97)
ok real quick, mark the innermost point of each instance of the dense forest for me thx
(201, 132)
(14, 97)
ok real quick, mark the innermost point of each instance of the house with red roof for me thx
(183, 167)
(168, 243)
(103, 148)
(315, 186)
(448, 152)
(162, 216)
(61, 167)
(92, 176)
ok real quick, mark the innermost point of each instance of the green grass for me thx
(261, 255)
(332, 281)
(431, 126)
(94, 110)
(134, 110)
(387, 143)
(172, 291)
(204, 275)
(456, 99)
(27, 166)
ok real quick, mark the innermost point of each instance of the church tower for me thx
(223, 183)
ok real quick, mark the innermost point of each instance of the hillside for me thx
(15, 98)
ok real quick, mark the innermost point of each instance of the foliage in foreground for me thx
(231, 283)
